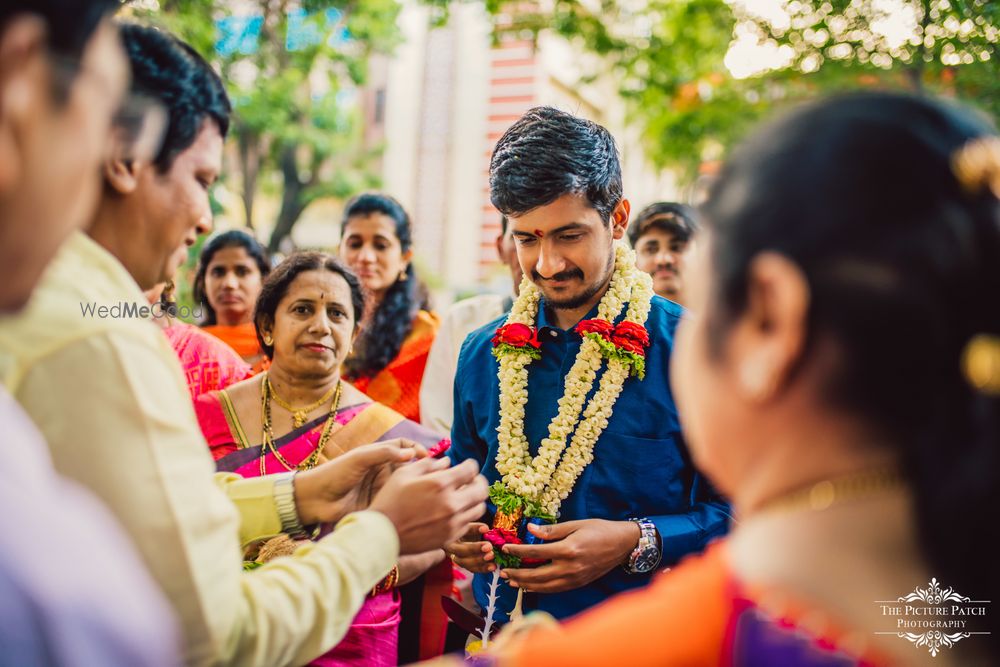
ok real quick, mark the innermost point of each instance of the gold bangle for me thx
(388, 582)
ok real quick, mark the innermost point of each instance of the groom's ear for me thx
(619, 218)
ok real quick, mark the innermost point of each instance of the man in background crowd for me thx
(663, 236)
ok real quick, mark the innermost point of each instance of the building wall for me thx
(451, 94)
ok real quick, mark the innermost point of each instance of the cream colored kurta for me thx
(109, 396)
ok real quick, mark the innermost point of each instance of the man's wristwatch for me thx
(647, 554)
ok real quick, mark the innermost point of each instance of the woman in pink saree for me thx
(208, 363)
(299, 414)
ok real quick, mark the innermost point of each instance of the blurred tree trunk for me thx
(293, 200)
(250, 156)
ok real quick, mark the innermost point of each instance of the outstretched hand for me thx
(431, 504)
(346, 484)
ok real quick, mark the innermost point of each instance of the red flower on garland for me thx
(631, 337)
(602, 328)
(439, 449)
(628, 336)
(517, 335)
(498, 537)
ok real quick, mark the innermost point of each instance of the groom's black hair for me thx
(549, 153)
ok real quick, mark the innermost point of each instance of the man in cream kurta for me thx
(107, 391)
(111, 401)
(73, 591)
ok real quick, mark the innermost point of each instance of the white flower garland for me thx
(550, 477)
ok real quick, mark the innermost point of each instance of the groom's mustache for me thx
(562, 275)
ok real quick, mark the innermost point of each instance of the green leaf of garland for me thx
(635, 362)
(509, 502)
(505, 561)
(504, 349)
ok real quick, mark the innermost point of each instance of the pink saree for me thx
(208, 363)
(373, 638)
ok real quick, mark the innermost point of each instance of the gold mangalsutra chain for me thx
(299, 415)
(828, 492)
(267, 443)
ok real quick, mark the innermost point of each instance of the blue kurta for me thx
(641, 467)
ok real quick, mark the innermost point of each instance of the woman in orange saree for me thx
(390, 355)
(231, 269)
(388, 364)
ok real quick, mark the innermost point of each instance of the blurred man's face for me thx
(663, 255)
(508, 255)
(171, 209)
(50, 149)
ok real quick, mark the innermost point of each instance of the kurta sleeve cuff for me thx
(371, 542)
(254, 498)
(679, 536)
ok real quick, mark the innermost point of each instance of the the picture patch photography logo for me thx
(934, 617)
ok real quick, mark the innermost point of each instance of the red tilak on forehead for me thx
(539, 233)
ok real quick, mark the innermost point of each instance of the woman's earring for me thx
(402, 275)
(268, 340)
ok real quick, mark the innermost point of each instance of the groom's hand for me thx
(472, 552)
(581, 552)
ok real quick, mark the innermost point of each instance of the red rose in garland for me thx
(517, 335)
(517, 338)
(631, 337)
(602, 328)
(498, 537)
(627, 341)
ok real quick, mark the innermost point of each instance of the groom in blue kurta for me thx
(641, 467)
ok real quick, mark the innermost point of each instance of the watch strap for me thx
(649, 539)
(284, 501)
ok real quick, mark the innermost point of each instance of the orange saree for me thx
(398, 384)
(243, 339)
(699, 614)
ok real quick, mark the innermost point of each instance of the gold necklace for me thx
(828, 492)
(299, 415)
(267, 443)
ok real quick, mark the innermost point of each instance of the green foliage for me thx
(294, 84)
(508, 502)
(505, 561)
(503, 349)
(668, 57)
(635, 362)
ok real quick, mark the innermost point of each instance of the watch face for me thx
(646, 561)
